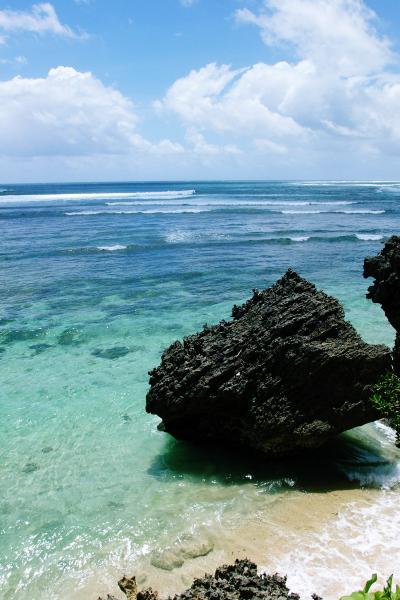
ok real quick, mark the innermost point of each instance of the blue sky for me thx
(180, 89)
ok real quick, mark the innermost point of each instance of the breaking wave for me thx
(96, 196)
(369, 236)
(113, 248)
(234, 203)
(344, 212)
(87, 213)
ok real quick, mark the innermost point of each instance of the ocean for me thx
(96, 280)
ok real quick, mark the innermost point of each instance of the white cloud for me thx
(69, 113)
(270, 147)
(17, 60)
(339, 95)
(187, 3)
(337, 34)
(229, 101)
(200, 147)
(334, 105)
(41, 19)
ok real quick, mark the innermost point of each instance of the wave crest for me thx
(96, 196)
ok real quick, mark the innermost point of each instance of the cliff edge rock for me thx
(385, 269)
(287, 373)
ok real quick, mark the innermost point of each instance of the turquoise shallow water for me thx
(96, 280)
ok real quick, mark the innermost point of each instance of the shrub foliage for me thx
(386, 594)
(386, 398)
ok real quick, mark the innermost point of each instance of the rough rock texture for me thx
(230, 582)
(385, 269)
(286, 374)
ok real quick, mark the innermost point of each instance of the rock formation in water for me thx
(285, 375)
(385, 269)
(230, 582)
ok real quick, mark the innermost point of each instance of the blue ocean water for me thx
(95, 281)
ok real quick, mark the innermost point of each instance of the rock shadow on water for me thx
(351, 460)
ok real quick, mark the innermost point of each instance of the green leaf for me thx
(370, 583)
(354, 596)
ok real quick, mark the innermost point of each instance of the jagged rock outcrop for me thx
(385, 269)
(230, 582)
(286, 374)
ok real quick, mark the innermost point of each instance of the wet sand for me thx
(328, 543)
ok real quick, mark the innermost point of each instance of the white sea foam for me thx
(171, 194)
(232, 203)
(344, 212)
(178, 236)
(174, 237)
(365, 237)
(87, 213)
(395, 189)
(302, 212)
(362, 538)
(300, 238)
(169, 211)
(361, 212)
(358, 537)
(343, 183)
(112, 248)
(388, 434)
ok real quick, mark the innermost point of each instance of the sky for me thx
(95, 90)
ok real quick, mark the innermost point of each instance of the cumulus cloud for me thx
(41, 19)
(200, 147)
(338, 34)
(338, 96)
(70, 113)
(227, 100)
(341, 89)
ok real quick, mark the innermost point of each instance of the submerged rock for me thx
(286, 374)
(111, 353)
(385, 269)
(70, 337)
(230, 582)
(30, 467)
(39, 348)
(187, 547)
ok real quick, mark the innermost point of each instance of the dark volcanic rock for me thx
(385, 269)
(287, 373)
(230, 582)
(238, 582)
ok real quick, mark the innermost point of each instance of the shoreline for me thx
(289, 537)
(327, 540)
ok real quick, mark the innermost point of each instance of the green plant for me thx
(386, 398)
(386, 594)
